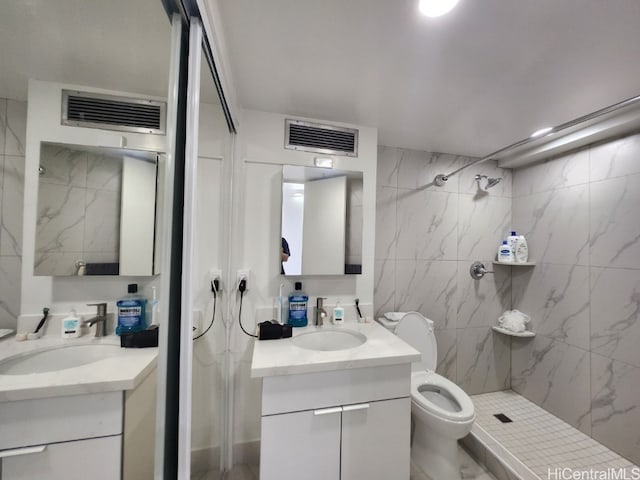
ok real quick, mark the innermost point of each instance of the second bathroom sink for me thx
(57, 358)
(329, 340)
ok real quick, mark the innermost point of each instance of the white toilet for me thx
(441, 411)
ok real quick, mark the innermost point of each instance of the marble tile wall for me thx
(580, 215)
(78, 210)
(426, 239)
(13, 126)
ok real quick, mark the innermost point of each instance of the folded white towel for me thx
(514, 320)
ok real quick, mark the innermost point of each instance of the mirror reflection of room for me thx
(96, 211)
(321, 221)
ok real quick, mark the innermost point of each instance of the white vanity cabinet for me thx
(101, 436)
(339, 425)
(96, 458)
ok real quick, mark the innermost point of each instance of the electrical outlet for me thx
(197, 323)
(215, 274)
(243, 275)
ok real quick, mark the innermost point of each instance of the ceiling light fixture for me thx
(542, 131)
(436, 8)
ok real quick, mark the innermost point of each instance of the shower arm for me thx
(441, 179)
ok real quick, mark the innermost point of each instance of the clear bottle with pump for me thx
(298, 301)
(131, 311)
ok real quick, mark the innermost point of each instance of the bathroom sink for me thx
(57, 358)
(329, 340)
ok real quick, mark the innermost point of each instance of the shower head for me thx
(491, 182)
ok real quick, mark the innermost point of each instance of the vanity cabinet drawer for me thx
(95, 459)
(59, 419)
(290, 393)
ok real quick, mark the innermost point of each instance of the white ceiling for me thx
(115, 44)
(482, 77)
(120, 45)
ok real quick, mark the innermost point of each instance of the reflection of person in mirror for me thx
(284, 254)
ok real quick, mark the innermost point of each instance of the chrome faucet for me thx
(100, 320)
(321, 313)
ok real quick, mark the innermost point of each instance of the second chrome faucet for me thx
(100, 320)
(321, 313)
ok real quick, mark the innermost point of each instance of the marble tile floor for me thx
(538, 439)
(470, 470)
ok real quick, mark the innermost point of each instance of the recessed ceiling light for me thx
(542, 131)
(436, 8)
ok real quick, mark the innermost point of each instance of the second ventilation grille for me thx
(82, 109)
(326, 139)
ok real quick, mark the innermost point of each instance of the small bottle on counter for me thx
(71, 326)
(338, 314)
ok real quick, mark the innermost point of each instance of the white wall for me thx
(43, 124)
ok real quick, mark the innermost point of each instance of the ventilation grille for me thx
(109, 112)
(327, 139)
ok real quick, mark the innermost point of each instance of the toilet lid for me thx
(417, 331)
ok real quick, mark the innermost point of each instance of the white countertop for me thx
(282, 357)
(121, 372)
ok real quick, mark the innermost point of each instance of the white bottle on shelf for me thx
(512, 240)
(505, 254)
(522, 250)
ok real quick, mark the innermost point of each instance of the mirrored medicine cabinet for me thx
(98, 211)
(321, 221)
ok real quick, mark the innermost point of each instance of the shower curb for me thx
(495, 457)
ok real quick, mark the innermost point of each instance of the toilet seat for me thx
(442, 399)
(450, 391)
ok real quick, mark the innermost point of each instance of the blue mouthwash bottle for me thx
(298, 307)
(131, 312)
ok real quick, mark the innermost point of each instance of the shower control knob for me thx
(478, 270)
